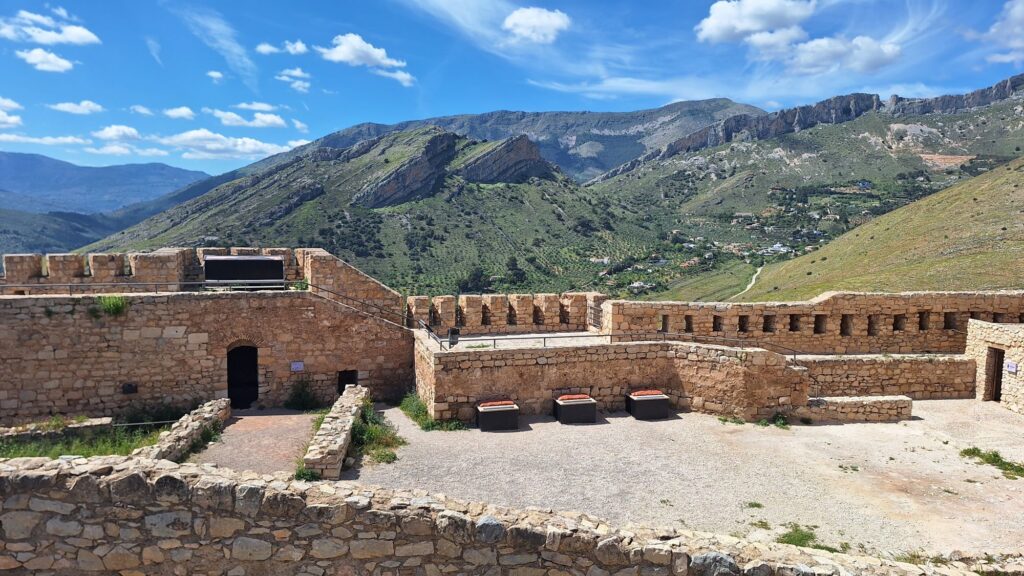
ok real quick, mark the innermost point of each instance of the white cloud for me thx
(536, 24)
(150, 152)
(140, 109)
(180, 113)
(71, 34)
(44, 61)
(256, 106)
(44, 140)
(678, 88)
(8, 120)
(862, 54)
(82, 108)
(204, 144)
(775, 44)
(297, 143)
(60, 11)
(403, 77)
(26, 17)
(210, 27)
(259, 119)
(215, 75)
(734, 20)
(351, 49)
(110, 150)
(7, 104)
(296, 78)
(117, 132)
(295, 48)
(265, 48)
(1006, 35)
(300, 126)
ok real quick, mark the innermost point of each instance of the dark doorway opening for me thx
(243, 376)
(994, 373)
(346, 377)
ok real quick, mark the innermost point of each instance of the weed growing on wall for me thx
(803, 536)
(374, 436)
(416, 410)
(301, 396)
(112, 305)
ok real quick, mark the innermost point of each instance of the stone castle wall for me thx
(834, 323)
(118, 515)
(27, 274)
(920, 377)
(984, 336)
(751, 384)
(62, 354)
(856, 409)
(475, 314)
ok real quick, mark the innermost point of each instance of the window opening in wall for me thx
(485, 315)
(794, 322)
(949, 321)
(688, 324)
(433, 317)
(538, 316)
(846, 325)
(512, 319)
(975, 315)
(19, 292)
(716, 323)
(820, 323)
(243, 376)
(346, 377)
(873, 325)
(994, 361)
(923, 321)
(998, 317)
(460, 318)
(563, 314)
(664, 323)
(899, 322)
(744, 323)
(769, 324)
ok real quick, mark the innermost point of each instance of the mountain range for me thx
(683, 201)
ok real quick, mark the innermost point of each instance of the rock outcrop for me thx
(416, 178)
(513, 160)
(948, 104)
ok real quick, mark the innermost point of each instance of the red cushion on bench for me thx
(565, 397)
(646, 393)
(497, 403)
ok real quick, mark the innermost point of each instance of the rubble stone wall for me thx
(983, 339)
(856, 409)
(920, 377)
(111, 515)
(833, 323)
(329, 446)
(187, 431)
(63, 355)
(747, 383)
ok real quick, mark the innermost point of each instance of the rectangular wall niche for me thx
(744, 323)
(899, 323)
(769, 323)
(716, 323)
(846, 325)
(794, 322)
(688, 324)
(820, 323)
(949, 321)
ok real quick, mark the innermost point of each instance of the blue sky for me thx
(216, 85)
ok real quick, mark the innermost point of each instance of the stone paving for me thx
(263, 441)
(887, 487)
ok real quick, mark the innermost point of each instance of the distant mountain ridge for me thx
(582, 144)
(37, 183)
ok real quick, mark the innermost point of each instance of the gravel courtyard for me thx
(878, 487)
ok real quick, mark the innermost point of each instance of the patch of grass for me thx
(373, 436)
(300, 285)
(153, 413)
(753, 505)
(732, 420)
(113, 305)
(762, 524)
(1011, 470)
(303, 473)
(919, 558)
(473, 346)
(301, 396)
(780, 421)
(803, 536)
(119, 441)
(849, 468)
(321, 414)
(416, 410)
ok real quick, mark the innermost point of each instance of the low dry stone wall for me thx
(187, 431)
(129, 516)
(751, 384)
(849, 409)
(329, 446)
(48, 431)
(920, 377)
(984, 339)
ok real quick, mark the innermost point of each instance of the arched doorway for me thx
(243, 376)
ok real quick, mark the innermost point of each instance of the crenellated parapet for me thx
(159, 271)
(503, 313)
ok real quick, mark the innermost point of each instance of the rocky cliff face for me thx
(899, 106)
(416, 178)
(744, 128)
(515, 160)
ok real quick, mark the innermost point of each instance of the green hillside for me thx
(969, 237)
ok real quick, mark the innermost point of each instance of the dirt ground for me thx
(875, 487)
(263, 441)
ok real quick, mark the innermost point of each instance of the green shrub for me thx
(300, 285)
(301, 396)
(374, 436)
(303, 473)
(805, 537)
(416, 410)
(113, 305)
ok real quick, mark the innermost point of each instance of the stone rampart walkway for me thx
(263, 441)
